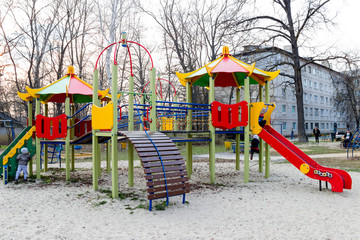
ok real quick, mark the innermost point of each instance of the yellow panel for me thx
(102, 117)
(304, 168)
(255, 110)
(167, 124)
(267, 115)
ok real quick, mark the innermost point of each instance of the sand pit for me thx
(288, 205)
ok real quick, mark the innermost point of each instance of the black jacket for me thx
(316, 132)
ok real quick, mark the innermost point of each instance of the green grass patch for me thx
(342, 163)
(313, 150)
(106, 191)
(131, 195)
(160, 206)
(100, 203)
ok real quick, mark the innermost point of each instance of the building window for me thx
(322, 99)
(284, 125)
(306, 126)
(317, 125)
(305, 82)
(305, 96)
(322, 125)
(326, 100)
(315, 85)
(306, 111)
(309, 69)
(294, 125)
(322, 112)
(327, 125)
(293, 109)
(309, 83)
(283, 92)
(311, 126)
(316, 112)
(316, 98)
(311, 112)
(283, 108)
(321, 86)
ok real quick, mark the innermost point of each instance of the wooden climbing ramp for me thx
(164, 167)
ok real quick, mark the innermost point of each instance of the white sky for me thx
(346, 34)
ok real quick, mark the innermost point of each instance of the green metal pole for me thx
(261, 143)
(114, 134)
(212, 132)
(176, 127)
(189, 128)
(98, 157)
(37, 143)
(94, 137)
(30, 119)
(72, 136)
(108, 168)
(67, 139)
(153, 101)
(237, 147)
(46, 113)
(246, 132)
(267, 146)
(131, 128)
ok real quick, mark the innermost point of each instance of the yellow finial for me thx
(225, 50)
(71, 70)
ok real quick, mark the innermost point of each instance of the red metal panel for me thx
(51, 127)
(82, 128)
(226, 116)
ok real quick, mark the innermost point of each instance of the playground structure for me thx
(165, 171)
(354, 143)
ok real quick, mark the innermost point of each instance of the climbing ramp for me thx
(164, 167)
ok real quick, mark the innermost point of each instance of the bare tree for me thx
(195, 32)
(110, 26)
(285, 25)
(347, 87)
(35, 35)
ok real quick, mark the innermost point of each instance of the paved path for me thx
(232, 156)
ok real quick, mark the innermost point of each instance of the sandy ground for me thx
(288, 205)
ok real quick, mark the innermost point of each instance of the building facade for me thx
(318, 88)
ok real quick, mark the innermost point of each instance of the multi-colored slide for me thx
(338, 179)
(8, 157)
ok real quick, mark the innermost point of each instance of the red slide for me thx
(339, 179)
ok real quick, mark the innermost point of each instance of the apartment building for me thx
(319, 107)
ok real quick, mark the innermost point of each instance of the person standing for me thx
(317, 133)
(347, 137)
(23, 160)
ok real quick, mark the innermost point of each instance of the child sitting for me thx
(22, 159)
(254, 146)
